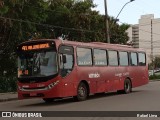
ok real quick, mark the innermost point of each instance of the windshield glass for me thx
(37, 64)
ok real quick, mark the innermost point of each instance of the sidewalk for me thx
(8, 96)
(154, 80)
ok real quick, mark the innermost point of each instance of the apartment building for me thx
(146, 35)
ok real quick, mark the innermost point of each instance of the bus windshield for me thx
(37, 64)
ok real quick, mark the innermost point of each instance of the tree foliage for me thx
(155, 64)
(21, 20)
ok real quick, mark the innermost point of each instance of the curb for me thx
(154, 80)
(10, 96)
(8, 99)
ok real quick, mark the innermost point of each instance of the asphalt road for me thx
(144, 98)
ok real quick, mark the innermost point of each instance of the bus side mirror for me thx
(64, 59)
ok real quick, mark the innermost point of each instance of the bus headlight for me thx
(19, 87)
(50, 86)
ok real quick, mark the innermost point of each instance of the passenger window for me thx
(100, 57)
(113, 58)
(123, 58)
(84, 56)
(133, 61)
(141, 59)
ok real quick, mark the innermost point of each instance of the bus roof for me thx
(102, 45)
(99, 45)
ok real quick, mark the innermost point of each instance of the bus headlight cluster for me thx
(50, 86)
(19, 87)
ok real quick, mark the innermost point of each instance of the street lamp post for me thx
(123, 7)
(106, 19)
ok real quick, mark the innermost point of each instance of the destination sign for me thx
(34, 47)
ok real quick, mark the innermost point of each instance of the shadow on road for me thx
(110, 94)
(70, 100)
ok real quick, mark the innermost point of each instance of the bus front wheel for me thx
(81, 92)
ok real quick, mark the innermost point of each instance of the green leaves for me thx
(35, 19)
(3, 10)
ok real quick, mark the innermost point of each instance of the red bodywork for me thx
(110, 78)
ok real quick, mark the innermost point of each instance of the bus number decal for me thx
(94, 75)
(122, 74)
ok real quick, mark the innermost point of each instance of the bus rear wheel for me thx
(48, 100)
(82, 92)
(127, 86)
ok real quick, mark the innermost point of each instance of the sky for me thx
(132, 11)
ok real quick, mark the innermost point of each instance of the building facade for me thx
(146, 35)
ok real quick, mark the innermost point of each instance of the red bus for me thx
(51, 69)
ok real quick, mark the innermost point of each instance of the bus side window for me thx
(141, 59)
(84, 56)
(123, 58)
(113, 58)
(100, 57)
(133, 59)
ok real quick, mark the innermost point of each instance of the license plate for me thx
(33, 94)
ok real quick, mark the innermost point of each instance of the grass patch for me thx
(154, 77)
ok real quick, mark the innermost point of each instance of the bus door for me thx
(67, 69)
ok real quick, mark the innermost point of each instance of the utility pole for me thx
(106, 23)
(152, 57)
(106, 19)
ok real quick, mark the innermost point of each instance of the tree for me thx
(22, 20)
(157, 62)
(15, 28)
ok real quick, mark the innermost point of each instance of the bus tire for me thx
(82, 92)
(127, 86)
(48, 100)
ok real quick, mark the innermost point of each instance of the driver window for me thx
(65, 60)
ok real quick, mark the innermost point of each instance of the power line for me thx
(48, 25)
(49, 10)
(52, 26)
